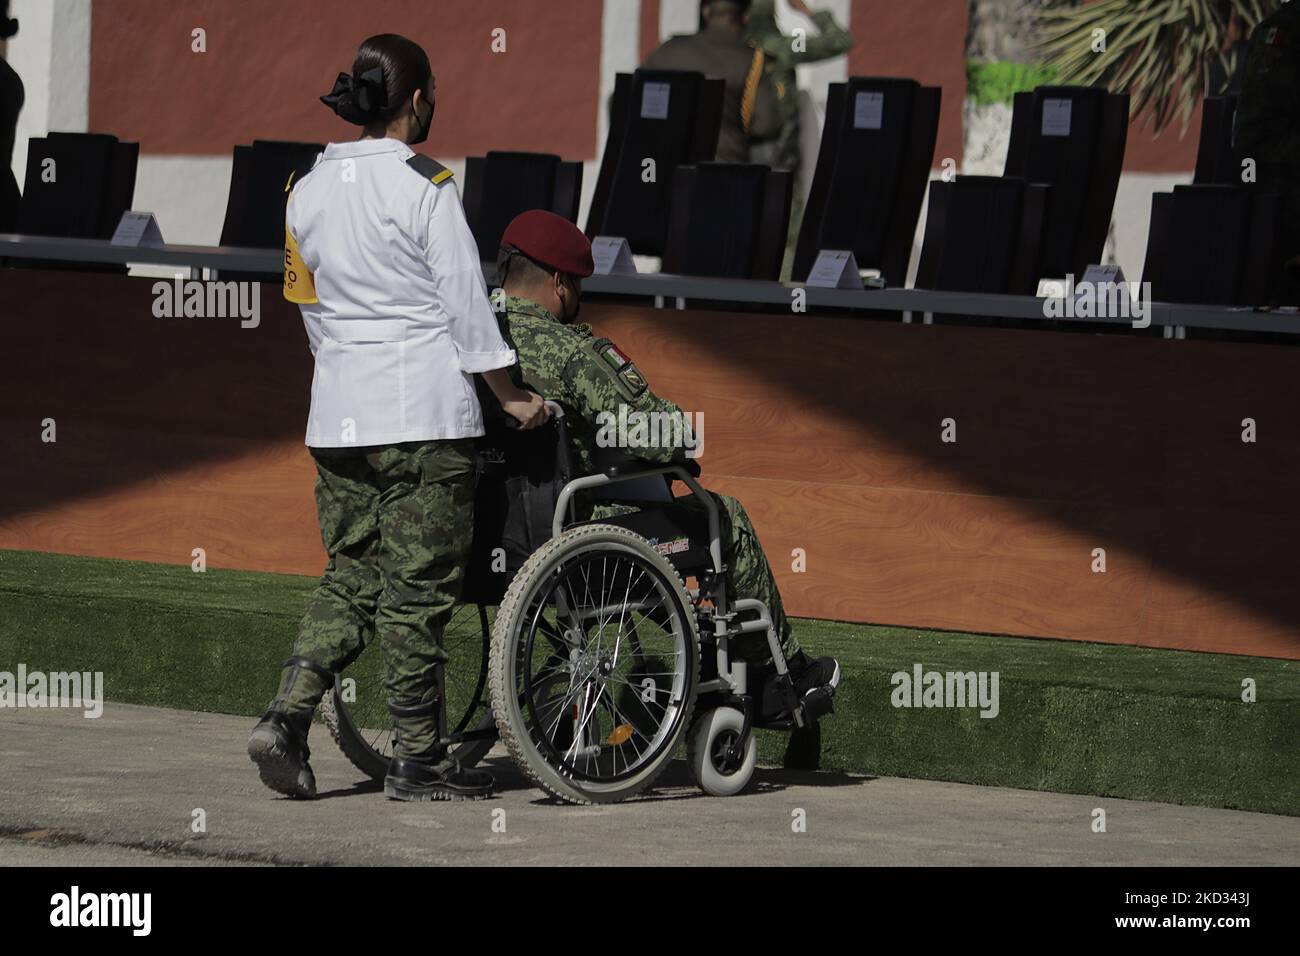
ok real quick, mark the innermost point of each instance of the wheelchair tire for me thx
(557, 688)
(714, 731)
(371, 750)
(373, 762)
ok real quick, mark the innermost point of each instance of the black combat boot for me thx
(429, 774)
(278, 745)
(422, 778)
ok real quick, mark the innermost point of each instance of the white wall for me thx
(51, 53)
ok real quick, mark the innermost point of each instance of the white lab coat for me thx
(401, 316)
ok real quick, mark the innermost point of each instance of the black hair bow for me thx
(358, 99)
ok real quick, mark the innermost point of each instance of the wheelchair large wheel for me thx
(594, 665)
(363, 728)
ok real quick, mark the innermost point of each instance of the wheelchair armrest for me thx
(622, 467)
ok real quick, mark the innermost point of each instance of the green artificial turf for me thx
(1074, 717)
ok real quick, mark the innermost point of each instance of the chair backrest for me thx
(1216, 154)
(501, 185)
(1071, 138)
(728, 220)
(77, 185)
(876, 152)
(259, 183)
(659, 120)
(521, 474)
(1220, 245)
(982, 234)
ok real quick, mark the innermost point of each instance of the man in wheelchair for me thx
(542, 260)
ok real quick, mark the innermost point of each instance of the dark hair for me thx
(8, 27)
(526, 272)
(387, 70)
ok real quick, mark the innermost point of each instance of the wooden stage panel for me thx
(184, 433)
(945, 561)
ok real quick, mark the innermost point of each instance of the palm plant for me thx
(1157, 51)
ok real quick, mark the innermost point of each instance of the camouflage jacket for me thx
(784, 54)
(597, 385)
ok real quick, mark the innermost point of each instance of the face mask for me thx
(423, 134)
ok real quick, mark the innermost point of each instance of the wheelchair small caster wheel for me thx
(711, 751)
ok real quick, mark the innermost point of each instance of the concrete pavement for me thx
(126, 789)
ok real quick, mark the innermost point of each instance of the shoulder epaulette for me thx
(430, 169)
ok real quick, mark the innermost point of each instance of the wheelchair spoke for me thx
(618, 633)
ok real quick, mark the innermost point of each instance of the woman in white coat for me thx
(381, 262)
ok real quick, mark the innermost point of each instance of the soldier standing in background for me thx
(749, 106)
(1268, 128)
(784, 53)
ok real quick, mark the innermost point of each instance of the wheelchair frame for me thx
(718, 624)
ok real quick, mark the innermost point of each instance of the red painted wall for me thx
(897, 39)
(267, 63)
(649, 38)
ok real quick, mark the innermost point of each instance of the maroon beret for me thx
(551, 241)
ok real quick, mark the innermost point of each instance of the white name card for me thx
(835, 269)
(612, 256)
(1056, 117)
(654, 100)
(139, 229)
(869, 111)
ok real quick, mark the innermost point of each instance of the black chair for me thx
(1216, 156)
(259, 190)
(1071, 138)
(983, 234)
(1214, 245)
(871, 174)
(626, 204)
(728, 220)
(501, 185)
(259, 182)
(77, 186)
(1162, 214)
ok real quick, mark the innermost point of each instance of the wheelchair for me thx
(588, 655)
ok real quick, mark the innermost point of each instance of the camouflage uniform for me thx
(762, 33)
(397, 523)
(784, 152)
(590, 378)
(1268, 116)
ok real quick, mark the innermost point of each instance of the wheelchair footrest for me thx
(783, 724)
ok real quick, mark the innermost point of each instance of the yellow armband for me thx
(299, 284)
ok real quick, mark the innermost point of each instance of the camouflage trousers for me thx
(397, 522)
(748, 573)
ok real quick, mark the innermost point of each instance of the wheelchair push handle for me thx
(556, 410)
